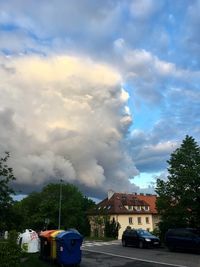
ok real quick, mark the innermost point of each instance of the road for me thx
(112, 254)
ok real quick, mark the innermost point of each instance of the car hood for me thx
(150, 237)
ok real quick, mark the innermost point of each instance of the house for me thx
(133, 210)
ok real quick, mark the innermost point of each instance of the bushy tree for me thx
(178, 200)
(112, 228)
(6, 201)
(29, 212)
(40, 210)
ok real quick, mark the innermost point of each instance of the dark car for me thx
(183, 238)
(139, 238)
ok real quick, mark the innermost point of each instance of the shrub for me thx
(10, 252)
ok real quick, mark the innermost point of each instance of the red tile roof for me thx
(151, 200)
(116, 204)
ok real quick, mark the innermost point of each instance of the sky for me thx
(97, 93)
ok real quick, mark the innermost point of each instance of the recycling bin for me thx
(53, 243)
(68, 247)
(45, 245)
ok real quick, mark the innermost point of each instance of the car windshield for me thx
(144, 232)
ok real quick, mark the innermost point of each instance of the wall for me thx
(97, 223)
(124, 222)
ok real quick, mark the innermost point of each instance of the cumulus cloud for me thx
(149, 154)
(144, 9)
(47, 104)
(64, 117)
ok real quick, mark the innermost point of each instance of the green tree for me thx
(178, 200)
(112, 228)
(40, 210)
(27, 212)
(84, 224)
(6, 201)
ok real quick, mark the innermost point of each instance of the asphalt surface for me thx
(112, 254)
(97, 260)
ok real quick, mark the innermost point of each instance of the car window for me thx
(126, 232)
(171, 232)
(143, 232)
(183, 233)
(133, 233)
(192, 233)
(196, 232)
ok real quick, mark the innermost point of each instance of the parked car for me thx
(183, 238)
(139, 238)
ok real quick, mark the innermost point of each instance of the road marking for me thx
(89, 244)
(130, 258)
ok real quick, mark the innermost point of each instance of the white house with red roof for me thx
(133, 210)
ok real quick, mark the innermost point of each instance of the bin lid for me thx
(47, 234)
(69, 234)
(55, 233)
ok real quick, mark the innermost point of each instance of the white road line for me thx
(89, 244)
(130, 258)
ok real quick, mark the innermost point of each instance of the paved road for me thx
(112, 254)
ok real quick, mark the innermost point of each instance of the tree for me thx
(29, 212)
(178, 200)
(40, 210)
(112, 228)
(6, 201)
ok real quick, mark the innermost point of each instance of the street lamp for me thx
(60, 204)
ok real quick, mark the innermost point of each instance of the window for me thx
(133, 233)
(130, 207)
(146, 207)
(147, 219)
(139, 219)
(130, 220)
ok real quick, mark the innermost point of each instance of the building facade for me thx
(132, 210)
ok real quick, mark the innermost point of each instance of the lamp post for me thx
(60, 204)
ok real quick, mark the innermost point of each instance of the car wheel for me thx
(124, 244)
(141, 244)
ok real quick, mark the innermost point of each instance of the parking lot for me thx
(111, 254)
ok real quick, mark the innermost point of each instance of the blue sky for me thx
(97, 92)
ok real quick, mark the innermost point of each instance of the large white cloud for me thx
(155, 48)
(64, 117)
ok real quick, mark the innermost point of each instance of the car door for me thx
(185, 239)
(133, 238)
(190, 240)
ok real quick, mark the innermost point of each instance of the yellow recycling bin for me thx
(53, 243)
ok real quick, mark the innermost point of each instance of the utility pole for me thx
(60, 205)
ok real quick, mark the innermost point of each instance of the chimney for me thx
(110, 193)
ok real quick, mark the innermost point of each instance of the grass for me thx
(32, 260)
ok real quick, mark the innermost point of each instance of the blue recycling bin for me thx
(68, 247)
